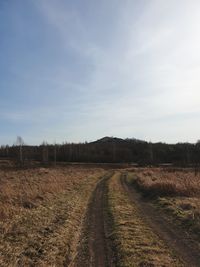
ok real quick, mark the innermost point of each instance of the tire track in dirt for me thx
(179, 242)
(95, 248)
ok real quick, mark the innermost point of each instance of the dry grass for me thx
(175, 192)
(136, 244)
(183, 211)
(162, 183)
(41, 212)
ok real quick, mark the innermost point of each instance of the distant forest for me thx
(106, 150)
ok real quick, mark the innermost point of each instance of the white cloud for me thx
(148, 72)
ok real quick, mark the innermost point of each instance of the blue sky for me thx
(79, 70)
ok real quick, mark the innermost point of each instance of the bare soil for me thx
(175, 238)
(95, 248)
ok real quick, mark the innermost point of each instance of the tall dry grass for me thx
(162, 183)
(41, 213)
(177, 193)
(26, 189)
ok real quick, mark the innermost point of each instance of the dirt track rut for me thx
(95, 249)
(175, 239)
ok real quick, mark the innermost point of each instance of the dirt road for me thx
(178, 241)
(95, 248)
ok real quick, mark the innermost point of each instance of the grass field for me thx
(176, 192)
(89, 216)
(41, 212)
(158, 182)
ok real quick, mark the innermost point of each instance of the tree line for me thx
(105, 150)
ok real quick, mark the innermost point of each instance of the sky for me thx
(79, 70)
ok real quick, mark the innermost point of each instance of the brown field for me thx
(176, 192)
(158, 182)
(81, 215)
(41, 212)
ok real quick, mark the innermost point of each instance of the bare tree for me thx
(20, 143)
(114, 150)
(197, 157)
(151, 158)
(55, 154)
(45, 153)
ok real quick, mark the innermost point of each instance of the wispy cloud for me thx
(107, 68)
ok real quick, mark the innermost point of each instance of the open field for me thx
(176, 192)
(41, 214)
(78, 215)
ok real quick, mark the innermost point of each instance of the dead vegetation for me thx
(135, 241)
(163, 183)
(41, 212)
(175, 192)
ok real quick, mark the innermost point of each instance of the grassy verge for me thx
(135, 242)
(184, 211)
(42, 213)
(176, 193)
(159, 183)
